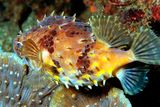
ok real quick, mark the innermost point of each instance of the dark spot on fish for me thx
(51, 43)
(53, 32)
(90, 72)
(69, 48)
(85, 30)
(56, 63)
(51, 49)
(54, 70)
(45, 37)
(41, 40)
(47, 42)
(46, 45)
(79, 50)
(50, 38)
(71, 64)
(87, 49)
(77, 33)
(97, 69)
(84, 40)
(83, 61)
(108, 58)
(61, 57)
(72, 33)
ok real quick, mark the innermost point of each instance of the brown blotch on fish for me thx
(90, 72)
(70, 34)
(69, 48)
(56, 63)
(78, 50)
(51, 49)
(53, 33)
(47, 42)
(83, 63)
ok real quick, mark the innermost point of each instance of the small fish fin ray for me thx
(133, 80)
(110, 30)
(30, 50)
(146, 47)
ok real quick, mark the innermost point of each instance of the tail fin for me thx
(146, 47)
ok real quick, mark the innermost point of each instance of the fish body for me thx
(66, 49)
(61, 43)
(104, 60)
(60, 40)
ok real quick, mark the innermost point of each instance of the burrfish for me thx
(76, 53)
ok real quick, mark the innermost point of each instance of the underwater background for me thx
(18, 16)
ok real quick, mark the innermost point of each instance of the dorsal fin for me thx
(109, 30)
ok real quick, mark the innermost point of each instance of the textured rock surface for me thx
(72, 98)
(14, 91)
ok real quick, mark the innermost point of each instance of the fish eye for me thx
(19, 45)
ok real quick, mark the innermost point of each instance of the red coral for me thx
(120, 2)
(156, 12)
(132, 15)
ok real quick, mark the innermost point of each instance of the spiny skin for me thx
(64, 39)
(14, 92)
(71, 46)
(45, 35)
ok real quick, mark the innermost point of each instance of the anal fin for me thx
(133, 80)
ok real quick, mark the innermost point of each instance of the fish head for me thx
(18, 44)
(21, 46)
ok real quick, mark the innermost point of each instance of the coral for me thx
(72, 98)
(156, 12)
(14, 91)
(6, 36)
(132, 13)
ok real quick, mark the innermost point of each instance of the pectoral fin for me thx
(30, 50)
(133, 80)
